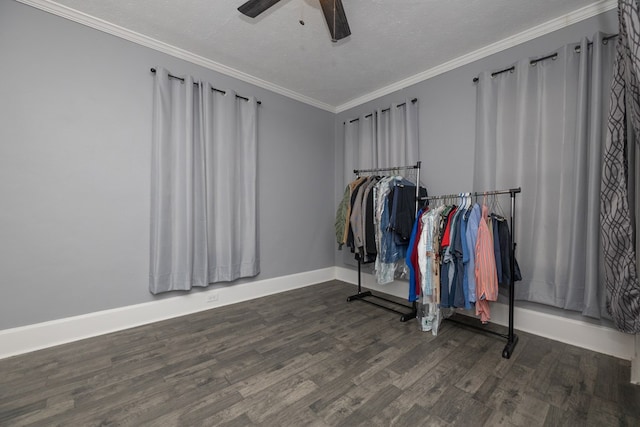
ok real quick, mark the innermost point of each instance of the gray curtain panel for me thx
(387, 137)
(203, 186)
(360, 145)
(541, 127)
(618, 235)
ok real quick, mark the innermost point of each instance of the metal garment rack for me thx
(409, 312)
(511, 337)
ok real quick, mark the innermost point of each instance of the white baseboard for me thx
(581, 334)
(29, 338)
(635, 362)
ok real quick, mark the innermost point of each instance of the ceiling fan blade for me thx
(336, 19)
(253, 8)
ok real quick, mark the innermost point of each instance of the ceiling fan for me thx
(332, 9)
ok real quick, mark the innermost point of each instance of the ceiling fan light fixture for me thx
(336, 19)
(333, 14)
(253, 8)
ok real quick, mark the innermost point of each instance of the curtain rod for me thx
(552, 56)
(476, 194)
(171, 76)
(413, 101)
(605, 40)
(358, 171)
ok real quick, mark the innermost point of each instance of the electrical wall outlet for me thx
(212, 296)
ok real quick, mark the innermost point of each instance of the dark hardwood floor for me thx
(307, 357)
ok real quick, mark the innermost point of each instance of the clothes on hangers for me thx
(427, 250)
(369, 244)
(494, 219)
(460, 260)
(344, 212)
(411, 260)
(355, 211)
(403, 212)
(387, 222)
(486, 275)
(504, 236)
(375, 219)
(473, 224)
(447, 269)
(384, 265)
(341, 217)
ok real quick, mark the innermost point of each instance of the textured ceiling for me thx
(391, 40)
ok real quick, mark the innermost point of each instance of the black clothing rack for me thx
(409, 311)
(511, 337)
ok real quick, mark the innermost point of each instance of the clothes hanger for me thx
(497, 210)
(469, 205)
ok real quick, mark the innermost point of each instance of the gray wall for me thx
(74, 162)
(75, 135)
(447, 116)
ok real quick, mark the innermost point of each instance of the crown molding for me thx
(132, 36)
(525, 36)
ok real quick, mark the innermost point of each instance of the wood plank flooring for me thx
(307, 357)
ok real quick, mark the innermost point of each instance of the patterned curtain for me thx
(618, 239)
